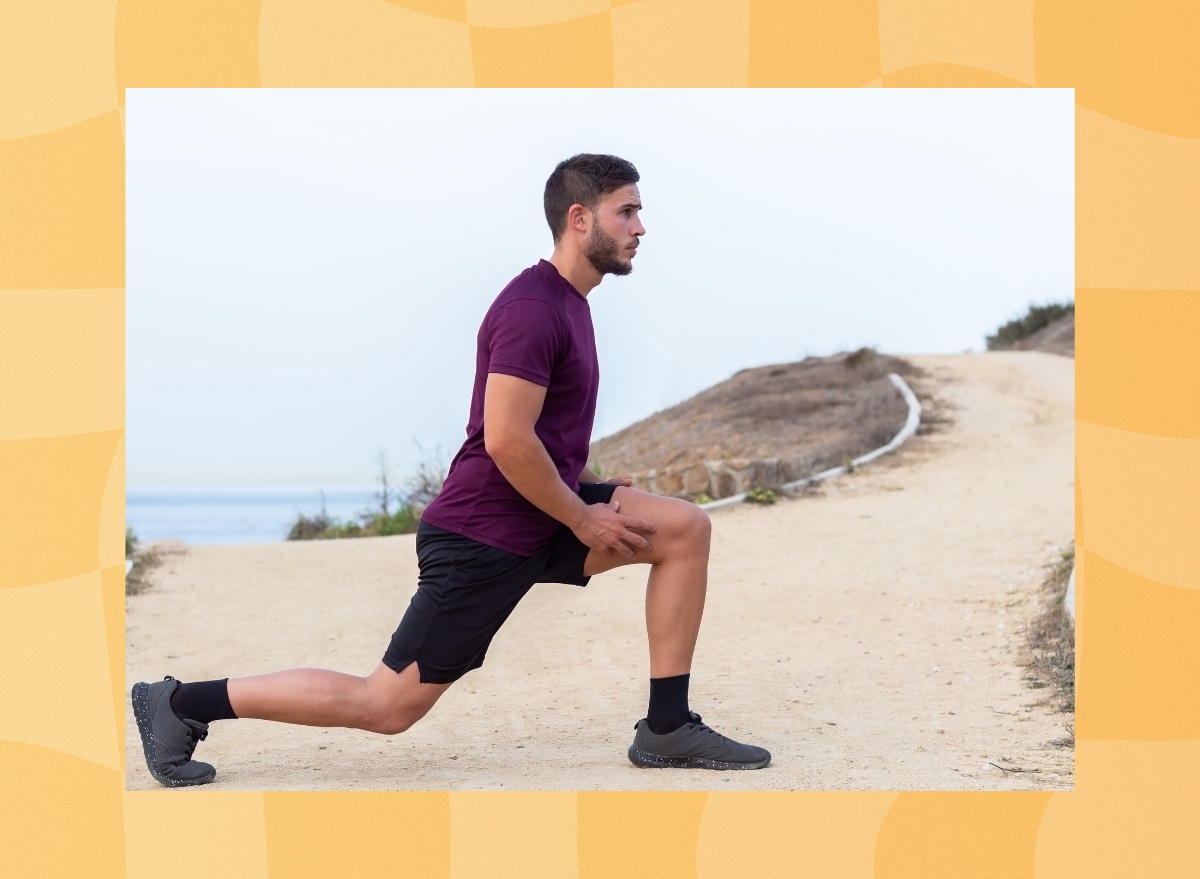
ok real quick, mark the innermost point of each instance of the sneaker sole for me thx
(141, 713)
(655, 761)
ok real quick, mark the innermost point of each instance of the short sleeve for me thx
(526, 339)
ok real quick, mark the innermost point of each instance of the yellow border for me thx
(62, 78)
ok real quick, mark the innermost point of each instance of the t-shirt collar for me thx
(547, 267)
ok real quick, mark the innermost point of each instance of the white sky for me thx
(307, 269)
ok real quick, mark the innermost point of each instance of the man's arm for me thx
(511, 407)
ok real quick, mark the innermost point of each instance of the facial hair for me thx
(603, 252)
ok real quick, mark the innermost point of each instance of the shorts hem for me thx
(399, 663)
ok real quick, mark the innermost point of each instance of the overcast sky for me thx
(307, 270)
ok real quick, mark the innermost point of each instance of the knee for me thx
(393, 726)
(699, 525)
(386, 715)
(692, 525)
(393, 722)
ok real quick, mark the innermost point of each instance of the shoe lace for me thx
(696, 721)
(199, 732)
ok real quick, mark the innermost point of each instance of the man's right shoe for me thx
(694, 745)
(168, 741)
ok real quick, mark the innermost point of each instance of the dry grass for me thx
(1050, 642)
(145, 560)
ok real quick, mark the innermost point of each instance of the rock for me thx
(695, 480)
(724, 483)
(670, 483)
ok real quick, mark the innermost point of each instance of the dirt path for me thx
(866, 635)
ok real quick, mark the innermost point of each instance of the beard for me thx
(603, 252)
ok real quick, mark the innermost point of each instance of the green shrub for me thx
(1037, 317)
(702, 498)
(859, 357)
(309, 527)
(399, 510)
(760, 496)
(403, 521)
(131, 541)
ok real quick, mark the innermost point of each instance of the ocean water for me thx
(224, 516)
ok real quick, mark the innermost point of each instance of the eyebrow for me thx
(631, 204)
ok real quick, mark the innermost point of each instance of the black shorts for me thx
(467, 589)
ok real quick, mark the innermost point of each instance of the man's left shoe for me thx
(693, 746)
(167, 739)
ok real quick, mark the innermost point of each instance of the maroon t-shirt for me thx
(539, 329)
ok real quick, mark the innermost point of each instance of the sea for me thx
(229, 515)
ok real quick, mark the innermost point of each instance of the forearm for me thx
(526, 464)
(586, 475)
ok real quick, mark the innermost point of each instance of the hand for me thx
(605, 530)
(620, 480)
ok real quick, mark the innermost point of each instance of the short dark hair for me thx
(583, 179)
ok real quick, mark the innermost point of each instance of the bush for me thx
(418, 491)
(859, 357)
(760, 496)
(131, 541)
(1037, 317)
(403, 521)
(309, 527)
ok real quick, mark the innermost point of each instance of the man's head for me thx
(592, 203)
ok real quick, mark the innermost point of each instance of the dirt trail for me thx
(866, 635)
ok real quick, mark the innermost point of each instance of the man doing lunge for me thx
(519, 506)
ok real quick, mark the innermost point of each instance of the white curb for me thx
(1069, 599)
(910, 427)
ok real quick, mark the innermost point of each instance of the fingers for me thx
(628, 542)
(640, 524)
(630, 521)
(639, 542)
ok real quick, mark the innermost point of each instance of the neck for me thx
(575, 267)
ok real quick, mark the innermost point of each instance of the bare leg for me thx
(678, 579)
(675, 593)
(383, 702)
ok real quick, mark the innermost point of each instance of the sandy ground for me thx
(866, 635)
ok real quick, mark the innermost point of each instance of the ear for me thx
(578, 218)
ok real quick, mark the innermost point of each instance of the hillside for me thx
(1055, 338)
(762, 427)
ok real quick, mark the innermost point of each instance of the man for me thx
(518, 507)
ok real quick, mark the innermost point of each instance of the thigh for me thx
(676, 521)
(465, 593)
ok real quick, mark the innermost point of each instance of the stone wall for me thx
(720, 479)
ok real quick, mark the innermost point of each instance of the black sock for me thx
(668, 704)
(204, 701)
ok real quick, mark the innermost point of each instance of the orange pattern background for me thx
(64, 68)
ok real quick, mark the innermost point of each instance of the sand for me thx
(867, 635)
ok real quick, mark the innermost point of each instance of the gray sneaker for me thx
(168, 741)
(693, 746)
